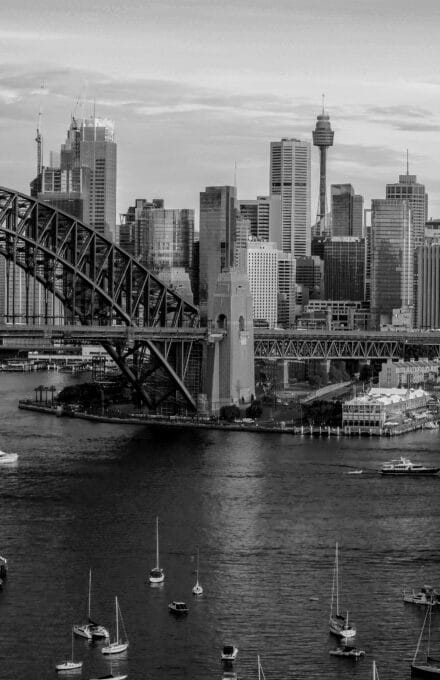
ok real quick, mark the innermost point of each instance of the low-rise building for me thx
(408, 373)
(380, 408)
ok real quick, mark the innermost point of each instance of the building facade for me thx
(392, 258)
(346, 211)
(217, 237)
(381, 408)
(428, 286)
(262, 270)
(410, 190)
(408, 373)
(290, 173)
(344, 268)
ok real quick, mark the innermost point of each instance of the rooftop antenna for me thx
(407, 162)
(94, 108)
(323, 101)
(39, 137)
(235, 176)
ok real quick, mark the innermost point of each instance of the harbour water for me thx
(266, 511)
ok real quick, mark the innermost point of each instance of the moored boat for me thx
(156, 574)
(338, 624)
(427, 596)
(197, 588)
(119, 644)
(90, 629)
(347, 651)
(229, 653)
(403, 466)
(429, 667)
(178, 607)
(8, 458)
(70, 665)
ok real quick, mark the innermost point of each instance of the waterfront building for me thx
(408, 373)
(216, 241)
(410, 190)
(346, 211)
(344, 268)
(428, 285)
(290, 173)
(392, 258)
(382, 407)
(334, 314)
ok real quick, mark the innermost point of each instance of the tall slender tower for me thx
(322, 137)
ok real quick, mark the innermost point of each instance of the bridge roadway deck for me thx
(268, 344)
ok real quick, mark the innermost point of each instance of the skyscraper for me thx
(85, 182)
(346, 211)
(410, 190)
(344, 268)
(262, 216)
(217, 241)
(428, 286)
(392, 258)
(290, 185)
(262, 270)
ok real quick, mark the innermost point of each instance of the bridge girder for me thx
(95, 281)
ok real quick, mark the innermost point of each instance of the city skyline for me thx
(184, 116)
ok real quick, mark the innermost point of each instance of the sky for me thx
(195, 86)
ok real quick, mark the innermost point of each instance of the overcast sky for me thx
(196, 85)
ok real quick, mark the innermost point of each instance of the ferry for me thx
(403, 466)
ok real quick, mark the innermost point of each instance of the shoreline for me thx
(281, 428)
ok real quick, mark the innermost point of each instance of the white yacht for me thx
(119, 644)
(156, 574)
(403, 466)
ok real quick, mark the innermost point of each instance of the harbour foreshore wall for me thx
(276, 428)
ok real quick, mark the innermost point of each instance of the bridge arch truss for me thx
(74, 275)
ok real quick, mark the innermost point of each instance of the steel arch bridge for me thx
(72, 275)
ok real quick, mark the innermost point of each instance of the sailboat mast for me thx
(197, 570)
(420, 637)
(337, 581)
(90, 593)
(157, 542)
(72, 645)
(259, 674)
(117, 622)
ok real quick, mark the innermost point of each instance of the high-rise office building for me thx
(344, 268)
(428, 286)
(217, 236)
(410, 190)
(286, 290)
(161, 239)
(310, 275)
(346, 211)
(262, 216)
(84, 184)
(262, 270)
(290, 185)
(392, 258)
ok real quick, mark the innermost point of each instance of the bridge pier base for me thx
(229, 367)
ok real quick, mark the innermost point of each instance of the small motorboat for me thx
(229, 675)
(427, 596)
(355, 472)
(229, 654)
(348, 651)
(177, 607)
(8, 458)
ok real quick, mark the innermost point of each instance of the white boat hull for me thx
(69, 666)
(82, 631)
(99, 632)
(111, 677)
(8, 458)
(197, 590)
(115, 648)
(157, 579)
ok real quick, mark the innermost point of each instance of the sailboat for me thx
(339, 624)
(197, 589)
(110, 676)
(69, 665)
(431, 667)
(156, 574)
(119, 645)
(90, 629)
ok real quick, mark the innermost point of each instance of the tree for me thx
(229, 413)
(254, 410)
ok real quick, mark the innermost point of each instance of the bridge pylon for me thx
(229, 376)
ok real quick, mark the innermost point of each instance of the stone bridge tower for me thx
(230, 374)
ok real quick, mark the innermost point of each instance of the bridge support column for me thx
(229, 367)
